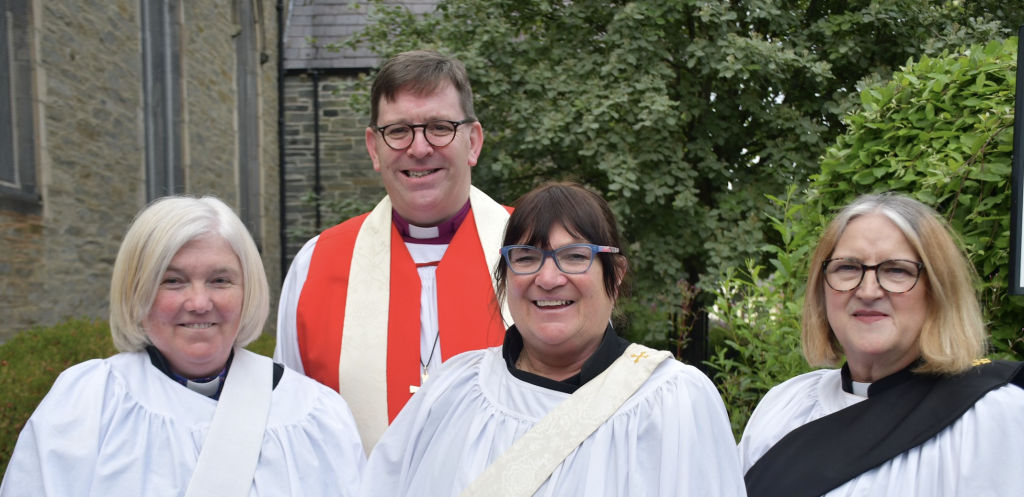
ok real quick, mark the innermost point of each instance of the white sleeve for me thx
(287, 349)
(57, 450)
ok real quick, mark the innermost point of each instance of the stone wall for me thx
(21, 253)
(209, 69)
(270, 158)
(345, 168)
(87, 72)
(90, 142)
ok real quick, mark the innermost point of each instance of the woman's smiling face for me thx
(560, 314)
(197, 311)
(877, 329)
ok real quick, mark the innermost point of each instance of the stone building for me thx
(105, 106)
(325, 144)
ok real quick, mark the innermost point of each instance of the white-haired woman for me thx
(184, 409)
(915, 410)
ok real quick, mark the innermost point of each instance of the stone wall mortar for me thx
(270, 161)
(210, 92)
(345, 167)
(91, 150)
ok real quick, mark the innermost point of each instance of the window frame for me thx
(20, 193)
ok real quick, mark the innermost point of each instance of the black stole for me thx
(821, 455)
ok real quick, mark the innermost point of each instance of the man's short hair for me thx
(421, 72)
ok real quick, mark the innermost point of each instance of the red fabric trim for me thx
(403, 326)
(467, 313)
(320, 314)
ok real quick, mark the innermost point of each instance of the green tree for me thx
(1008, 14)
(684, 113)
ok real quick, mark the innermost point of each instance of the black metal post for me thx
(317, 188)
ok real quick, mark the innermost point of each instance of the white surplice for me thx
(982, 453)
(671, 438)
(120, 426)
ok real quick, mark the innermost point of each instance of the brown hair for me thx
(583, 213)
(953, 335)
(421, 72)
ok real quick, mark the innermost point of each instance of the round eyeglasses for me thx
(894, 276)
(570, 259)
(439, 133)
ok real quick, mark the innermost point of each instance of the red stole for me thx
(468, 318)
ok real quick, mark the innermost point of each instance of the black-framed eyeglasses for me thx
(570, 259)
(894, 276)
(439, 133)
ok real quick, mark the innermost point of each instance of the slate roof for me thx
(332, 21)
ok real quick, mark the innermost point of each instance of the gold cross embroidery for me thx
(639, 356)
(979, 362)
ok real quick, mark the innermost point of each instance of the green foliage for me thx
(941, 131)
(682, 113)
(1008, 14)
(758, 336)
(31, 361)
(264, 345)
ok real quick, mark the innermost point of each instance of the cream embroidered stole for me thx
(227, 461)
(525, 466)
(362, 368)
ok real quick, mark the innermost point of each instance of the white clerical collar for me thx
(421, 233)
(208, 388)
(860, 389)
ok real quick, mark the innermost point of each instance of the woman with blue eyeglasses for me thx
(915, 410)
(565, 406)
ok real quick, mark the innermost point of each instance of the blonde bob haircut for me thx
(953, 334)
(155, 236)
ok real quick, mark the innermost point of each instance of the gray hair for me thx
(155, 236)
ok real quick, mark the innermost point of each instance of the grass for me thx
(31, 361)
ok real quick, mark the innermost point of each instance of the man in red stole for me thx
(372, 306)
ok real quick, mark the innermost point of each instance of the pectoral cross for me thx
(423, 379)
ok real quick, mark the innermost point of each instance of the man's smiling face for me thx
(427, 185)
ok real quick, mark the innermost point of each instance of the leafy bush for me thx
(31, 361)
(758, 337)
(942, 132)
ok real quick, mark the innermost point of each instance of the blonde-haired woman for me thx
(184, 409)
(915, 410)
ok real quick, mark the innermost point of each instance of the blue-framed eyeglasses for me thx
(570, 259)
